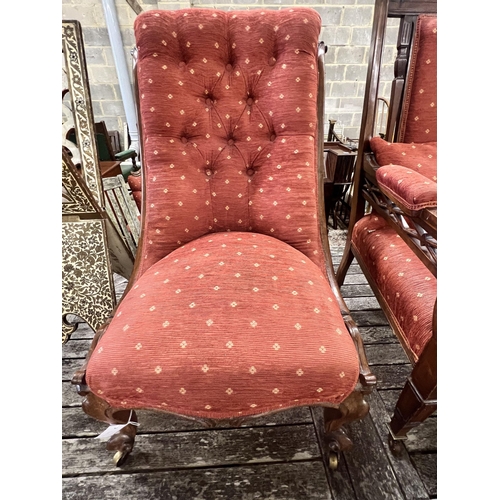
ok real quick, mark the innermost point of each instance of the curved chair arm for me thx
(125, 155)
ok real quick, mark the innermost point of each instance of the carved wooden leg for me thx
(418, 399)
(353, 408)
(123, 441)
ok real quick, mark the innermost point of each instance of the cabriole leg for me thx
(353, 408)
(123, 441)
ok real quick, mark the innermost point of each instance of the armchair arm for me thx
(125, 155)
(408, 189)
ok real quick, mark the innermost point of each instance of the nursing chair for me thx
(232, 310)
(395, 240)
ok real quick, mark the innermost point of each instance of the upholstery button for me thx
(208, 101)
(182, 64)
(209, 172)
(249, 101)
(250, 171)
(273, 137)
(272, 61)
(230, 142)
(184, 140)
(229, 67)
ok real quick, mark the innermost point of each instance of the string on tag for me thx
(115, 428)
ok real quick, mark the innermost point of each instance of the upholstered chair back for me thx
(228, 109)
(419, 114)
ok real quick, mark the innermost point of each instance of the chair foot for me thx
(122, 443)
(339, 441)
(123, 440)
(396, 446)
(353, 408)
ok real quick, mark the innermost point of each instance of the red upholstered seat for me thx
(230, 311)
(230, 324)
(406, 285)
(409, 172)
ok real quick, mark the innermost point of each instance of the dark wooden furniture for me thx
(110, 157)
(110, 168)
(416, 228)
(109, 147)
(339, 170)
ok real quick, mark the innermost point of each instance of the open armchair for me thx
(110, 156)
(395, 241)
(232, 310)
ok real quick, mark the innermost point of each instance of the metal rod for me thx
(115, 38)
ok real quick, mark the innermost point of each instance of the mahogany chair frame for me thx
(336, 416)
(418, 229)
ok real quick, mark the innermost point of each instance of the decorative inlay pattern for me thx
(87, 280)
(75, 199)
(87, 285)
(72, 44)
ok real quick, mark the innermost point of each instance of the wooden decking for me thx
(278, 457)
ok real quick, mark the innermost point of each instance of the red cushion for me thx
(407, 188)
(419, 116)
(407, 286)
(229, 116)
(230, 324)
(419, 157)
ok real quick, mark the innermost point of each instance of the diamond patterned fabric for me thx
(230, 324)
(409, 172)
(228, 108)
(230, 312)
(419, 115)
(406, 285)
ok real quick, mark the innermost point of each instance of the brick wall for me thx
(346, 30)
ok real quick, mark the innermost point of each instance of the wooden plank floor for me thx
(279, 457)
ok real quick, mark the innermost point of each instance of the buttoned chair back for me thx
(229, 119)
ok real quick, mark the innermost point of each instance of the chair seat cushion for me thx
(407, 286)
(230, 324)
(410, 190)
(421, 157)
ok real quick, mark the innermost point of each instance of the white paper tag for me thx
(113, 429)
(110, 431)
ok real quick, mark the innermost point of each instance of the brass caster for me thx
(333, 460)
(119, 458)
